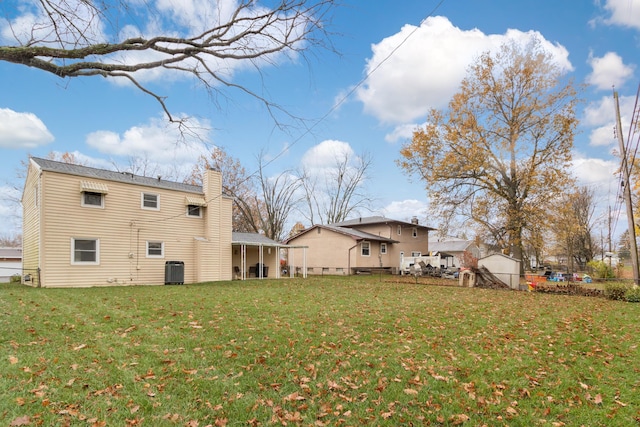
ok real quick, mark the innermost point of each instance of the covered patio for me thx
(257, 256)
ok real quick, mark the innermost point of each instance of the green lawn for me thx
(317, 352)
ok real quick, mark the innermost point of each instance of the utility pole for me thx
(627, 193)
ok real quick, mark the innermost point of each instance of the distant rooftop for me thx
(376, 220)
(10, 253)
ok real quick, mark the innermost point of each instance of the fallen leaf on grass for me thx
(79, 347)
(21, 421)
(410, 391)
(13, 360)
(459, 419)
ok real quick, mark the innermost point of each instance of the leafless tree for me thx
(261, 204)
(338, 191)
(206, 40)
(280, 196)
(8, 240)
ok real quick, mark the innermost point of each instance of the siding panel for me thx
(123, 228)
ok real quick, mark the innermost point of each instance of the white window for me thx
(155, 249)
(150, 201)
(92, 199)
(85, 251)
(399, 229)
(194, 211)
(365, 249)
(415, 232)
(383, 248)
(415, 254)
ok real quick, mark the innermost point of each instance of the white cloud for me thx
(323, 156)
(402, 132)
(421, 67)
(404, 210)
(608, 71)
(157, 141)
(22, 130)
(623, 12)
(594, 171)
(600, 115)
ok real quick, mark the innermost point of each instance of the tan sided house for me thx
(361, 245)
(90, 227)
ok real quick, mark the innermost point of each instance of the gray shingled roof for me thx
(450, 246)
(376, 220)
(351, 232)
(124, 177)
(252, 239)
(357, 233)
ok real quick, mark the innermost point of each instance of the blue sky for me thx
(419, 61)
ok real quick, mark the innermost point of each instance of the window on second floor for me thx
(92, 193)
(194, 211)
(415, 232)
(150, 201)
(93, 199)
(399, 229)
(365, 249)
(383, 248)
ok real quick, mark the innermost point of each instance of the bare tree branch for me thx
(79, 38)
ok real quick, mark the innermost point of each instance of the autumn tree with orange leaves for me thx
(236, 182)
(498, 156)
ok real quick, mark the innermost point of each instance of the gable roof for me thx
(450, 246)
(371, 220)
(104, 174)
(346, 231)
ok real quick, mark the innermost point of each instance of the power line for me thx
(330, 111)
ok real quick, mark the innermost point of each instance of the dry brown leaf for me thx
(21, 421)
(459, 419)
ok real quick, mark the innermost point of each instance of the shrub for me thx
(616, 291)
(16, 278)
(633, 294)
(601, 269)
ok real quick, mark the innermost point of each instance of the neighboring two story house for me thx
(84, 226)
(361, 245)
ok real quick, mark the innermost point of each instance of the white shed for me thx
(504, 268)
